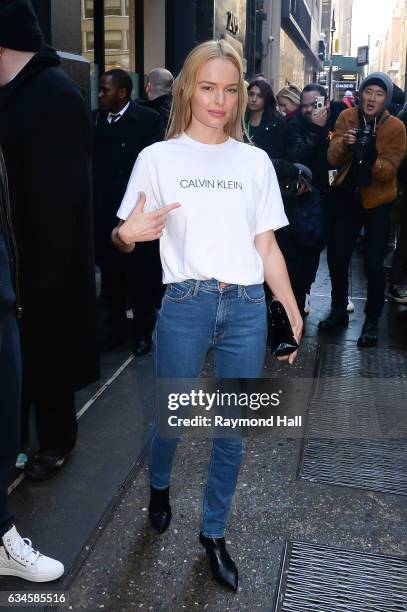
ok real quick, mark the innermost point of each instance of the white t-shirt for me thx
(228, 193)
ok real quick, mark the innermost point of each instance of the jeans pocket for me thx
(178, 292)
(254, 294)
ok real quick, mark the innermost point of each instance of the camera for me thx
(363, 136)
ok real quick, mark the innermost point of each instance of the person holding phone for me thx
(215, 203)
(307, 138)
(308, 133)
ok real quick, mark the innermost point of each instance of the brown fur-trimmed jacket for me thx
(391, 148)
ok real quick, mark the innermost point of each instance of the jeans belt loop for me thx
(196, 289)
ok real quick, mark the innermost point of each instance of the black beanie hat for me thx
(19, 27)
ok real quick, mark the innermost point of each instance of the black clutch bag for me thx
(281, 337)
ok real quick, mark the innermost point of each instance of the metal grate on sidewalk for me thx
(344, 361)
(356, 430)
(320, 579)
(376, 465)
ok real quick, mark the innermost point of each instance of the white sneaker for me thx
(307, 305)
(351, 306)
(18, 558)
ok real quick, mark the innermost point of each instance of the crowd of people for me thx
(319, 171)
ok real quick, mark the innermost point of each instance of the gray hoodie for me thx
(383, 78)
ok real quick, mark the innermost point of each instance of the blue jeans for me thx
(196, 316)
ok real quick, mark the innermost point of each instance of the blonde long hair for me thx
(185, 83)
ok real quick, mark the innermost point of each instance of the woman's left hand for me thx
(297, 324)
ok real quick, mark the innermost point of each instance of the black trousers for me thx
(133, 280)
(119, 291)
(10, 384)
(55, 416)
(302, 264)
(399, 265)
(347, 219)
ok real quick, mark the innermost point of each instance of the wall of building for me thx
(154, 34)
(343, 22)
(389, 52)
(292, 63)
(66, 26)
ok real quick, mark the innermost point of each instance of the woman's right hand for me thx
(141, 226)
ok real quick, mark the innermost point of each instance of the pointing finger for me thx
(141, 202)
(167, 209)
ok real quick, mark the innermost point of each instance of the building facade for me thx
(389, 52)
(139, 35)
(292, 42)
(340, 13)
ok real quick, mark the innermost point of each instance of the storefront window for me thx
(118, 49)
(292, 62)
(88, 37)
(120, 34)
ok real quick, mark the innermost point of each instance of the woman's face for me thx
(256, 99)
(286, 105)
(216, 94)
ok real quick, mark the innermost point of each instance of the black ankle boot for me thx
(369, 334)
(223, 567)
(159, 509)
(336, 318)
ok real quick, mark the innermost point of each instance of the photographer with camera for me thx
(368, 145)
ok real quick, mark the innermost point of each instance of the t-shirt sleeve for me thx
(140, 180)
(270, 208)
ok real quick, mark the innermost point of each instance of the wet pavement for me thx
(118, 563)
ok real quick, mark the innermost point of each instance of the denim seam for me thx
(180, 299)
(251, 300)
(206, 496)
(216, 319)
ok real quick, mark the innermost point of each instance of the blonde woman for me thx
(214, 202)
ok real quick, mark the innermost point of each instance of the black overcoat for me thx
(116, 148)
(46, 134)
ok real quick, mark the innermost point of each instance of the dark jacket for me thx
(397, 102)
(268, 135)
(116, 148)
(46, 134)
(402, 171)
(161, 105)
(307, 143)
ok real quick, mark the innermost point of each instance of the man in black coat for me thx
(46, 134)
(159, 92)
(306, 140)
(123, 128)
(307, 134)
(28, 564)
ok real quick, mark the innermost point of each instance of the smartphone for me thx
(319, 102)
